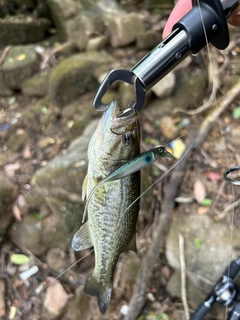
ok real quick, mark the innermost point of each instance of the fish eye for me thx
(128, 138)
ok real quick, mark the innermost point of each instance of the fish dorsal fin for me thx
(82, 239)
(84, 187)
(132, 244)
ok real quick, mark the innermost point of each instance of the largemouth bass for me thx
(110, 228)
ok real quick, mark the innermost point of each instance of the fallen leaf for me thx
(213, 176)
(199, 191)
(19, 259)
(43, 143)
(168, 127)
(21, 201)
(11, 100)
(236, 113)
(12, 312)
(21, 57)
(207, 202)
(27, 152)
(178, 147)
(198, 243)
(17, 213)
(11, 168)
(202, 210)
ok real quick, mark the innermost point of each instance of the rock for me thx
(124, 30)
(20, 63)
(97, 43)
(211, 258)
(83, 27)
(148, 40)
(184, 95)
(57, 260)
(4, 90)
(74, 76)
(80, 308)
(8, 194)
(22, 31)
(62, 11)
(18, 140)
(58, 185)
(36, 86)
(56, 299)
(126, 92)
(38, 233)
(76, 21)
(165, 86)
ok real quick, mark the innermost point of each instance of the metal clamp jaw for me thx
(206, 22)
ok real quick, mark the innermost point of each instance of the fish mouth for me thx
(124, 121)
(129, 112)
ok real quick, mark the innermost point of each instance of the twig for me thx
(220, 193)
(226, 210)
(4, 53)
(214, 115)
(139, 297)
(183, 275)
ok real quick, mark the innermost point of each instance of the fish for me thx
(137, 163)
(111, 226)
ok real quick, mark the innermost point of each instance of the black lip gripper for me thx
(125, 76)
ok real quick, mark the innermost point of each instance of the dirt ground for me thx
(219, 151)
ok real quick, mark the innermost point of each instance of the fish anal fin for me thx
(84, 187)
(132, 244)
(103, 292)
(82, 239)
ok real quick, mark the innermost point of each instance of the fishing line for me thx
(47, 285)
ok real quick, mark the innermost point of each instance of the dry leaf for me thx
(17, 213)
(199, 191)
(178, 147)
(21, 201)
(203, 210)
(27, 152)
(43, 143)
(168, 128)
(213, 176)
(21, 57)
(11, 168)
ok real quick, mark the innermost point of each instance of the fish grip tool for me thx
(206, 22)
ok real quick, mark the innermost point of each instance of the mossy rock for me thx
(21, 63)
(36, 86)
(75, 76)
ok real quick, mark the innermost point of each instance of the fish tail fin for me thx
(102, 292)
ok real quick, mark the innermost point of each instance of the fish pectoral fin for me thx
(103, 292)
(132, 244)
(84, 187)
(82, 239)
